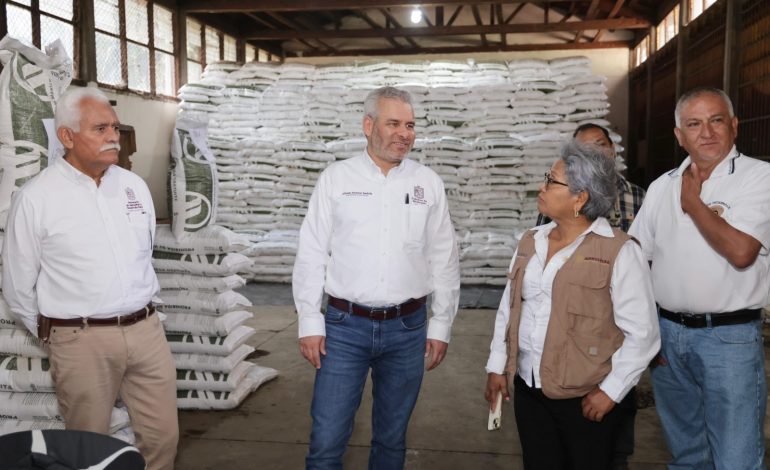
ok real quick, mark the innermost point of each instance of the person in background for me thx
(576, 325)
(621, 215)
(377, 239)
(705, 227)
(630, 195)
(77, 271)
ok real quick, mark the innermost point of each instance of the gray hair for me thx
(588, 169)
(389, 92)
(68, 106)
(698, 92)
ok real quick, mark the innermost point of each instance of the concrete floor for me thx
(270, 429)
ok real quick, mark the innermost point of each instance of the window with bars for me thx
(641, 52)
(206, 45)
(699, 6)
(135, 46)
(41, 22)
(250, 53)
(668, 28)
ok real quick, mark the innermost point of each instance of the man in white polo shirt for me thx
(705, 227)
(77, 270)
(378, 239)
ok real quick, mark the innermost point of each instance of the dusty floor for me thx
(448, 428)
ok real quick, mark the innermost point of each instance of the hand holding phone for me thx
(495, 416)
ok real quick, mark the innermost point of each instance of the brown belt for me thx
(378, 313)
(120, 320)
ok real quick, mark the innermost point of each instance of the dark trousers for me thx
(624, 441)
(554, 434)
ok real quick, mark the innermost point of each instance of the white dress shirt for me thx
(632, 301)
(687, 274)
(377, 241)
(73, 249)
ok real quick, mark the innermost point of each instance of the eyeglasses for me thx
(548, 181)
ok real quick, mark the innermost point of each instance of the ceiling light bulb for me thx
(416, 16)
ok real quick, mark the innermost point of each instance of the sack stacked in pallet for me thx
(490, 129)
(204, 316)
(27, 398)
(30, 84)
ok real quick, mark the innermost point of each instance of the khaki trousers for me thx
(94, 365)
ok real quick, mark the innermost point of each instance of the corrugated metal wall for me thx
(753, 102)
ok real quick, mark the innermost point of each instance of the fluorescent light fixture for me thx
(416, 16)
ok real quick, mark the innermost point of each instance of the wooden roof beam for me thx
(395, 23)
(222, 6)
(516, 28)
(472, 49)
(477, 17)
(368, 20)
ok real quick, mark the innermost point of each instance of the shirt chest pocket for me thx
(417, 220)
(139, 224)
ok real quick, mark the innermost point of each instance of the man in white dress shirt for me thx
(77, 271)
(377, 239)
(705, 226)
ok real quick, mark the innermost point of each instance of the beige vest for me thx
(581, 335)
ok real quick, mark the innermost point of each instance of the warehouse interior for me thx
(277, 87)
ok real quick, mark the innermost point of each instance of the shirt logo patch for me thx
(419, 195)
(718, 207)
(133, 204)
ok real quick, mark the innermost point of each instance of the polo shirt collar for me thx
(725, 167)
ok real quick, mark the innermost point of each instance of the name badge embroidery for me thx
(356, 194)
(133, 205)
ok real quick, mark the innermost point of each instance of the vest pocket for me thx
(587, 360)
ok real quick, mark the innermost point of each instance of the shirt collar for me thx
(725, 167)
(78, 176)
(374, 170)
(599, 226)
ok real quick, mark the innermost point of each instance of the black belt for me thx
(701, 320)
(378, 313)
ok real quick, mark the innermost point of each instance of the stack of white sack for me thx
(489, 129)
(204, 316)
(27, 392)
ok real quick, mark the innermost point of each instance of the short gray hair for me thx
(389, 92)
(698, 92)
(68, 106)
(588, 169)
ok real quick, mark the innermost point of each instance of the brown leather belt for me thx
(378, 313)
(120, 320)
(702, 320)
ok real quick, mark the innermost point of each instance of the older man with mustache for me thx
(77, 271)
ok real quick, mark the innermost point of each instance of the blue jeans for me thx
(394, 350)
(712, 395)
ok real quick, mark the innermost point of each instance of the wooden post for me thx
(732, 55)
(648, 117)
(180, 46)
(87, 42)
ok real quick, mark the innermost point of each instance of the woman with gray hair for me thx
(577, 324)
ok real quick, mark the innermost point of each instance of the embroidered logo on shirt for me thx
(133, 204)
(356, 194)
(591, 258)
(419, 195)
(718, 207)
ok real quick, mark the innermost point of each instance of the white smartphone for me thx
(495, 417)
